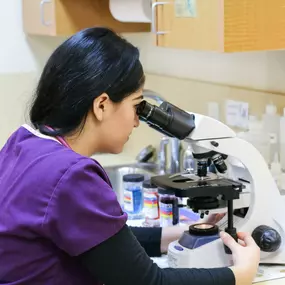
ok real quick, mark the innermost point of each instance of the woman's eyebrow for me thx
(140, 97)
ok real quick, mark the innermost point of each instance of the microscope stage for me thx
(192, 186)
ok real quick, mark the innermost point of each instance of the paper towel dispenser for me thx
(136, 11)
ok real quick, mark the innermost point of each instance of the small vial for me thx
(133, 195)
(151, 201)
(169, 211)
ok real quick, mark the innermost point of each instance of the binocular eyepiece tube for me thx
(167, 119)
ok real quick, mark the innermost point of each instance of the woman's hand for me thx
(246, 257)
(170, 234)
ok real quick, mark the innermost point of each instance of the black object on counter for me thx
(169, 202)
(267, 238)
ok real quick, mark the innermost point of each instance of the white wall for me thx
(259, 70)
(15, 55)
(19, 53)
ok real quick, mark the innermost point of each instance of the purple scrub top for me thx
(54, 205)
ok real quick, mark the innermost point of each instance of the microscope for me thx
(231, 177)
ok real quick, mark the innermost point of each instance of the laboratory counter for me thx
(265, 276)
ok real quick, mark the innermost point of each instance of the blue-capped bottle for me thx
(133, 195)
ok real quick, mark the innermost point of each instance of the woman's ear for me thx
(100, 106)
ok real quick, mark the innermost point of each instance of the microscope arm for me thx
(207, 128)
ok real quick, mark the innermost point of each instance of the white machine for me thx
(241, 185)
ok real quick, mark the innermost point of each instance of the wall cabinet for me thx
(66, 17)
(220, 25)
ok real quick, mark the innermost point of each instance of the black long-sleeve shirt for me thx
(124, 260)
(149, 239)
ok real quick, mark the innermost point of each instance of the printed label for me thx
(186, 8)
(166, 214)
(237, 114)
(128, 201)
(151, 206)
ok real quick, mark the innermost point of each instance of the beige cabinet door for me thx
(39, 17)
(220, 25)
(197, 27)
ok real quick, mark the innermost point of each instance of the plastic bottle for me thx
(168, 208)
(271, 124)
(282, 184)
(276, 171)
(133, 195)
(188, 161)
(151, 201)
(282, 141)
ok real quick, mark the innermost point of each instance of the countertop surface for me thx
(273, 276)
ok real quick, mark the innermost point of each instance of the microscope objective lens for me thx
(202, 168)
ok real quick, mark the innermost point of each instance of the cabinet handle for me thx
(153, 16)
(42, 12)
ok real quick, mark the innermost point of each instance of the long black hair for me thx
(92, 62)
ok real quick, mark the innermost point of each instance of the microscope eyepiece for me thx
(167, 119)
(144, 109)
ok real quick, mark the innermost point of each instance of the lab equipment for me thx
(282, 141)
(258, 138)
(133, 195)
(271, 123)
(276, 171)
(151, 208)
(242, 187)
(168, 208)
(167, 144)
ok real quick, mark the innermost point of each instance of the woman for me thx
(60, 222)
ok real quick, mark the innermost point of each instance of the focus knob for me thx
(267, 238)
